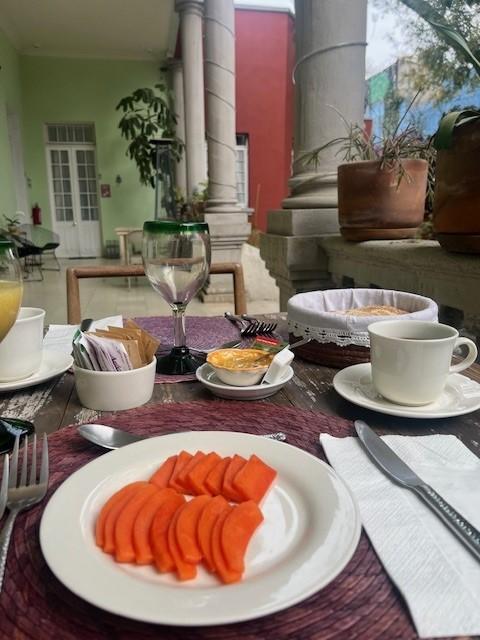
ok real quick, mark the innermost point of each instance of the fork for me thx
(22, 496)
(254, 326)
(261, 327)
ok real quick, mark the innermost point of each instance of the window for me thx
(241, 169)
(70, 133)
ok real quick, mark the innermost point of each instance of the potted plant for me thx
(382, 185)
(13, 222)
(456, 209)
(148, 117)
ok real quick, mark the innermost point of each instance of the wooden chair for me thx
(116, 271)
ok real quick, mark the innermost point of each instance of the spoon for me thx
(112, 438)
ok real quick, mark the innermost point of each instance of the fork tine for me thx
(23, 475)
(12, 476)
(44, 463)
(33, 468)
(4, 487)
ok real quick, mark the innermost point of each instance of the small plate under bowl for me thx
(53, 364)
(461, 395)
(207, 376)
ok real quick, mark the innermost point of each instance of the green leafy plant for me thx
(148, 115)
(12, 221)
(390, 149)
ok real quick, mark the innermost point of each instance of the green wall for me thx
(85, 90)
(10, 99)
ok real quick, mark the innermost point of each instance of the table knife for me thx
(388, 461)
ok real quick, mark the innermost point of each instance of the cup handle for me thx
(469, 358)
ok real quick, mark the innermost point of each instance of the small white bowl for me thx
(115, 390)
(231, 375)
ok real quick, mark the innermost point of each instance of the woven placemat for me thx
(360, 603)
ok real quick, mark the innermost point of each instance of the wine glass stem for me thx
(179, 339)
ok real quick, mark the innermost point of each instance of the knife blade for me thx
(390, 463)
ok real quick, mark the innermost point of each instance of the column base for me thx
(292, 253)
(228, 231)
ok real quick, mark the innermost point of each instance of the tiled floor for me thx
(111, 296)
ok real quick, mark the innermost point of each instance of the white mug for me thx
(411, 359)
(21, 349)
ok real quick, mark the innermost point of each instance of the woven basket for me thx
(339, 340)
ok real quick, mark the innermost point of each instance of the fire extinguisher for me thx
(36, 214)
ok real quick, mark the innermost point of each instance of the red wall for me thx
(264, 94)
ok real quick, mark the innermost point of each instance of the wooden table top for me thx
(311, 388)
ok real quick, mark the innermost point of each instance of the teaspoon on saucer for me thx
(112, 438)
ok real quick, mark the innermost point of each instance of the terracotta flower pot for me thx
(456, 208)
(372, 205)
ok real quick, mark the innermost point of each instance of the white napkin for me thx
(59, 336)
(437, 576)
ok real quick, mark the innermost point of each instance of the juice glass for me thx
(11, 288)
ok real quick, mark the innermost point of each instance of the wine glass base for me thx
(179, 362)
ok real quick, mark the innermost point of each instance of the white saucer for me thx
(53, 364)
(461, 395)
(207, 376)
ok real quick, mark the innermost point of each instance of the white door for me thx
(16, 149)
(74, 200)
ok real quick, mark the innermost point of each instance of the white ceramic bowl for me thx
(228, 373)
(115, 390)
(21, 349)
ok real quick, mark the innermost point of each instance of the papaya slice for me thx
(206, 521)
(228, 489)
(185, 570)
(162, 475)
(186, 531)
(197, 476)
(182, 459)
(159, 532)
(254, 479)
(143, 522)
(226, 575)
(112, 515)
(182, 478)
(123, 534)
(115, 499)
(237, 531)
(214, 480)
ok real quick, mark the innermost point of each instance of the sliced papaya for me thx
(162, 475)
(228, 489)
(254, 479)
(185, 570)
(112, 515)
(197, 475)
(182, 459)
(115, 499)
(186, 532)
(206, 521)
(159, 532)
(226, 575)
(237, 531)
(214, 480)
(182, 478)
(123, 534)
(143, 523)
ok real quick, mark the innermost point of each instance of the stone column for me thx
(228, 222)
(176, 68)
(329, 87)
(191, 23)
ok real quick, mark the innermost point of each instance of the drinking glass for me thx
(176, 257)
(10, 287)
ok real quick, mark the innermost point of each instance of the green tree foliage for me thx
(441, 69)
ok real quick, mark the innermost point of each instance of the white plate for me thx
(207, 376)
(53, 364)
(310, 532)
(461, 395)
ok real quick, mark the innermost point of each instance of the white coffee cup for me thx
(21, 349)
(411, 360)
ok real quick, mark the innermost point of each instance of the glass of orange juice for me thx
(11, 288)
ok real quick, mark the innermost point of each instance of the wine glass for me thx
(11, 288)
(176, 257)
